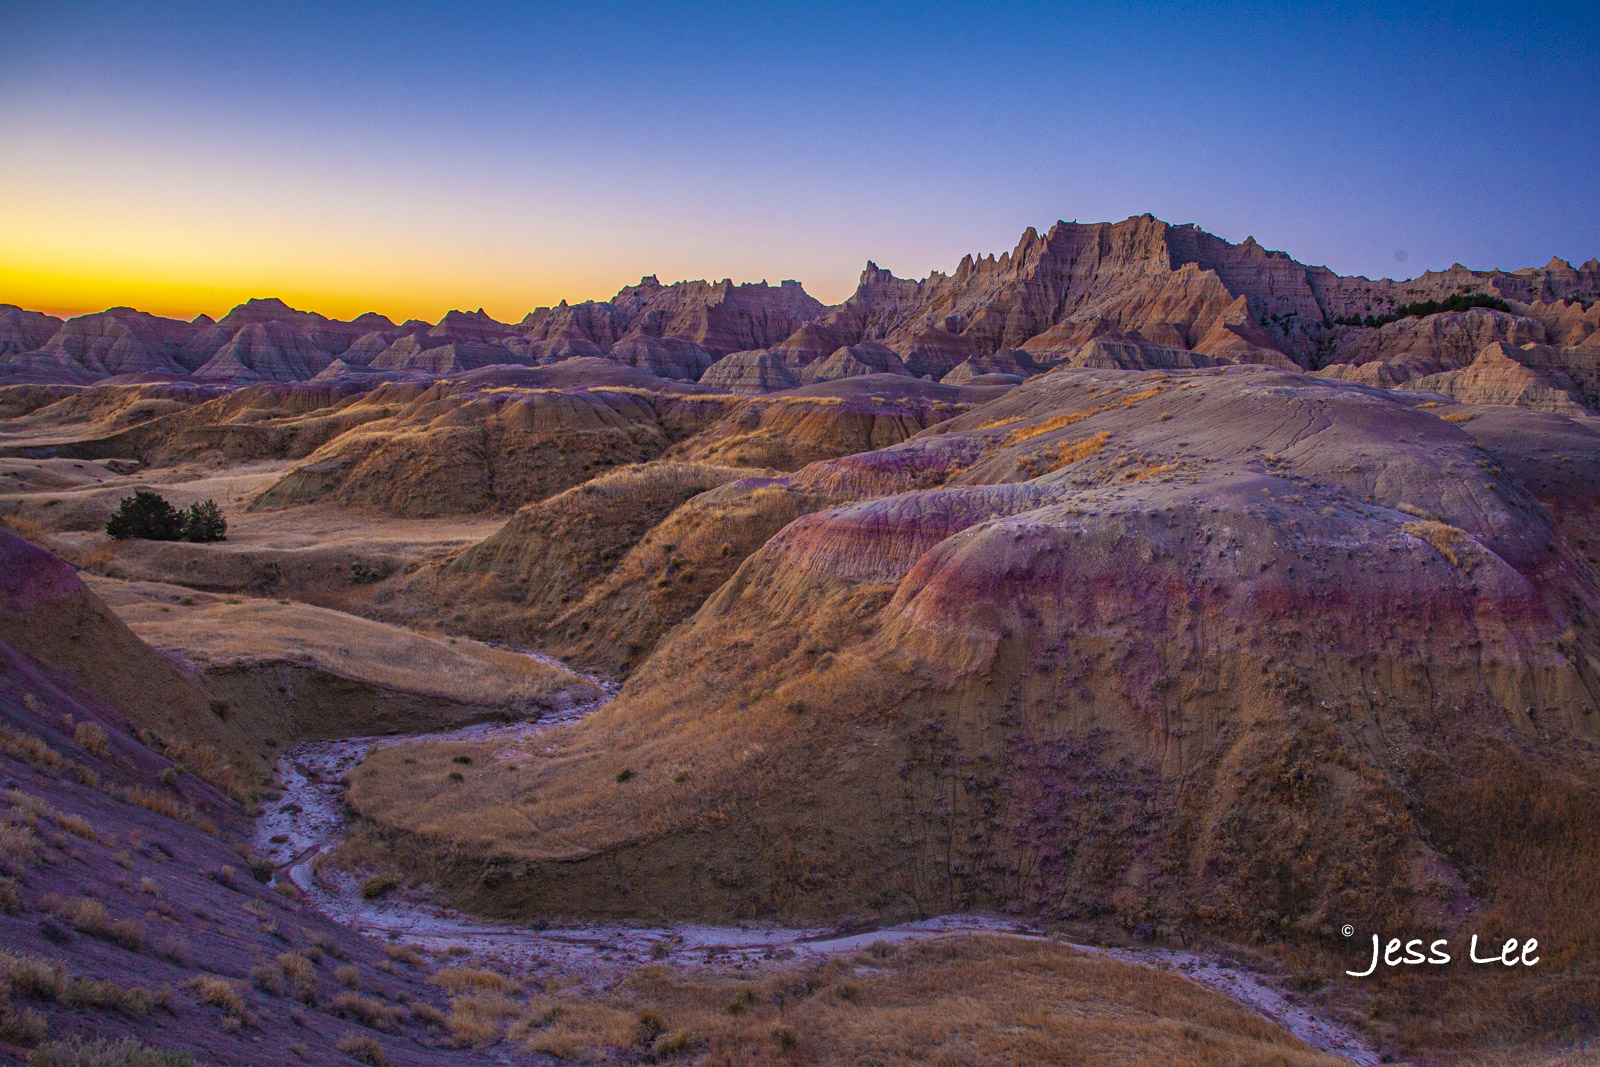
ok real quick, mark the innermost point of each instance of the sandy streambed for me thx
(310, 820)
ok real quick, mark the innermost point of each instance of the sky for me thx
(410, 158)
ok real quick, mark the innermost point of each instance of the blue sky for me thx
(415, 157)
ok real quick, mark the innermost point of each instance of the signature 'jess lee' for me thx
(1413, 954)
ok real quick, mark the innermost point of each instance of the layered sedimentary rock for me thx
(1453, 338)
(1181, 297)
(118, 341)
(24, 331)
(266, 351)
(868, 357)
(1531, 377)
(717, 317)
(1108, 354)
(423, 353)
(756, 371)
(1230, 649)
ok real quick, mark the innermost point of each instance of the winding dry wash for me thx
(309, 820)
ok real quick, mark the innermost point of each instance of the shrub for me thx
(91, 737)
(348, 975)
(378, 885)
(10, 897)
(302, 976)
(363, 1050)
(92, 918)
(124, 1053)
(1424, 308)
(23, 1027)
(218, 992)
(19, 847)
(405, 954)
(367, 1011)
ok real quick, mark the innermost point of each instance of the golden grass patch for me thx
(1064, 454)
(1449, 541)
(1056, 422)
(955, 1000)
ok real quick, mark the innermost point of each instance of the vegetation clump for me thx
(1423, 308)
(147, 516)
(124, 1053)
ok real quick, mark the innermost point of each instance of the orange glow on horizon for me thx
(70, 295)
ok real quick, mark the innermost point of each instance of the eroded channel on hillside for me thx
(310, 819)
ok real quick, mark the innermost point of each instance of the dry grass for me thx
(92, 917)
(242, 630)
(106, 1053)
(31, 750)
(1459, 416)
(219, 993)
(162, 804)
(1153, 470)
(368, 1011)
(363, 1050)
(1449, 541)
(28, 810)
(406, 954)
(49, 981)
(955, 1001)
(475, 1019)
(473, 980)
(1056, 422)
(91, 737)
(1065, 454)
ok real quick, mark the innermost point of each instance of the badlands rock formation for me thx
(1227, 649)
(1215, 651)
(1162, 296)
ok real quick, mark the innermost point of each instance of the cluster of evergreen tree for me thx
(1423, 308)
(147, 516)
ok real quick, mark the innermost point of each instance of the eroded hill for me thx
(1232, 650)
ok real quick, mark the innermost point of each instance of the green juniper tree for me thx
(147, 516)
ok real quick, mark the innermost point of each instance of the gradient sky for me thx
(414, 157)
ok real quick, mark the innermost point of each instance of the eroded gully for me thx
(310, 819)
